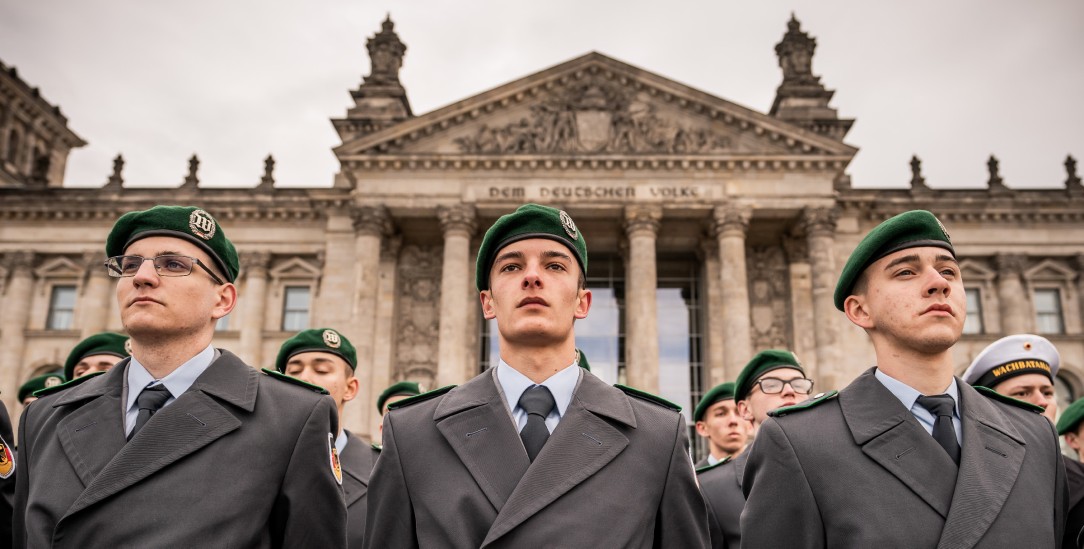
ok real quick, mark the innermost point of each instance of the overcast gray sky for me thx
(233, 80)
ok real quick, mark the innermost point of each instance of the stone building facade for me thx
(714, 231)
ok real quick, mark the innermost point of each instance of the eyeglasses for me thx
(164, 265)
(774, 385)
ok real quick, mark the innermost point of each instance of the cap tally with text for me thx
(913, 229)
(186, 222)
(403, 388)
(723, 391)
(529, 221)
(762, 363)
(1012, 356)
(320, 340)
(105, 343)
(38, 383)
(1071, 417)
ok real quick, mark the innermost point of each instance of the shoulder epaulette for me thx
(68, 385)
(376, 447)
(817, 399)
(291, 379)
(419, 398)
(990, 393)
(707, 468)
(648, 397)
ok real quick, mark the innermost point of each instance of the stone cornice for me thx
(97, 207)
(1032, 206)
(766, 163)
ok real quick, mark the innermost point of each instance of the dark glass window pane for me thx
(973, 324)
(1048, 319)
(61, 308)
(295, 314)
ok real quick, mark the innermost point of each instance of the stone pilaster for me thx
(712, 315)
(16, 307)
(641, 308)
(95, 301)
(371, 225)
(381, 376)
(254, 266)
(334, 306)
(804, 344)
(1016, 313)
(820, 227)
(458, 224)
(731, 224)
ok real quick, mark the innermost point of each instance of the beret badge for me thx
(202, 224)
(569, 225)
(332, 339)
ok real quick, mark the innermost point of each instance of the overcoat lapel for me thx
(357, 464)
(191, 422)
(891, 436)
(93, 433)
(990, 460)
(581, 445)
(475, 421)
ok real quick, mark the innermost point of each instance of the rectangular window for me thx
(1048, 319)
(295, 309)
(973, 324)
(61, 308)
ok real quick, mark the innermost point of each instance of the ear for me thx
(227, 300)
(745, 411)
(583, 304)
(702, 429)
(488, 306)
(352, 386)
(856, 308)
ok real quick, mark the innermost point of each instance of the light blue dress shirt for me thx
(177, 382)
(340, 442)
(561, 386)
(909, 397)
(712, 460)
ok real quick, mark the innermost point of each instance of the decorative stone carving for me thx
(116, 180)
(796, 54)
(1072, 179)
(819, 221)
(995, 182)
(594, 116)
(1011, 264)
(769, 298)
(19, 261)
(642, 218)
(460, 217)
(386, 55)
(372, 220)
(918, 183)
(796, 249)
(731, 218)
(268, 179)
(191, 180)
(419, 302)
(255, 263)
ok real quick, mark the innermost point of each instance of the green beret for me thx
(529, 221)
(762, 363)
(39, 383)
(405, 388)
(105, 343)
(723, 391)
(321, 340)
(913, 229)
(582, 360)
(1071, 417)
(185, 222)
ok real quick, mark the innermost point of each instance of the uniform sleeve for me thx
(780, 510)
(7, 485)
(311, 509)
(715, 532)
(22, 484)
(682, 520)
(1061, 492)
(390, 516)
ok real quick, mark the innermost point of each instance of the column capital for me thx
(255, 262)
(731, 218)
(1010, 264)
(372, 221)
(19, 261)
(644, 217)
(819, 221)
(461, 218)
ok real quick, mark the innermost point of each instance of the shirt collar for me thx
(177, 382)
(340, 442)
(909, 395)
(561, 385)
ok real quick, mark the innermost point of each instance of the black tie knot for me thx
(938, 405)
(152, 398)
(537, 401)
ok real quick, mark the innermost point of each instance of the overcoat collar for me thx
(357, 463)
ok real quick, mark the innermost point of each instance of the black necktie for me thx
(538, 403)
(149, 401)
(943, 430)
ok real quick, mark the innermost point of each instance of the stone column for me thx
(1016, 314)
(333, 308)
(16, 311)
(820, 228)
(801, 302)
(96, 299)
(458, 224)
(712, 316)
(731, 222)
(252, 318)
(371, 225)
(384, 346)
(641, 307)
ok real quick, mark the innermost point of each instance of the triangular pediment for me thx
(595, 105)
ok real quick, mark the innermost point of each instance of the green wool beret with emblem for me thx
(762, 363)
(190, 223)
(529, 221)
(105, 343)
(38, 383)
(1071, 417)
(403, 388)
(321, 340)
(723, 391)
(913, 229)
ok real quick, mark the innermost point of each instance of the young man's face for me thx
(535, 293)
(326, 370)
(913, 299)
(94, 363)
(757, 403)
(1034, 388)
(1075, 439)
(156, 307)
(724, 428)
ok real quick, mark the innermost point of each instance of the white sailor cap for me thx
(1011, 356)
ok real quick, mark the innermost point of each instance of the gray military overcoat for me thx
(357, 461)
(241, 459)
(614, 473)
(860, 471)
(721, 486)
